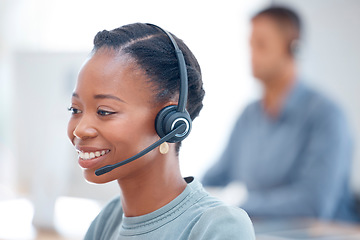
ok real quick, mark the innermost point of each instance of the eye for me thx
(104, 112)
(74, 110)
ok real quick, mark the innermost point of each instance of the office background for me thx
(42, 47)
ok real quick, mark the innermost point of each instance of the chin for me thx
(259, 76)
(90, 177)
(256, 74)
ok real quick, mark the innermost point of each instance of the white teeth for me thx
(91, 155)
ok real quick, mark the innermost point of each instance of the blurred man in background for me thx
(292, 149)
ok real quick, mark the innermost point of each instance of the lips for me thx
(91, 158)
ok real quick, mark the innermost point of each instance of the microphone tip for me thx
(103, 170)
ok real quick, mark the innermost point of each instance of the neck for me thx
(276, 89)
(153, 188)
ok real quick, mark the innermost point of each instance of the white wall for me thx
(330, 57)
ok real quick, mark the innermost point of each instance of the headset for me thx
(173, 123)
(294, 47)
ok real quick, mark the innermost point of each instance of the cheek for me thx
(266, 59)
(70, 129)
(261, 55)
(136, 131)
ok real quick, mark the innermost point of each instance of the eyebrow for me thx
(102, 96)
(108, 96)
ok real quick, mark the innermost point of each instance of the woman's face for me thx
(113, 115)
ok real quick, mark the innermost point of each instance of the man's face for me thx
(268, 48)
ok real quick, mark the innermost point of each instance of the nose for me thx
(85, 129)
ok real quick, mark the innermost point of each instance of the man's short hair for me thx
(288, 21)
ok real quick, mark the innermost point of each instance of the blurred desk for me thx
(305, 229)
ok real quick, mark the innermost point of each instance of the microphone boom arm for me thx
(180, 129)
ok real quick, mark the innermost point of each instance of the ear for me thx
(170, 103)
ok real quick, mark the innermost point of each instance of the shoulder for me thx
(107, 220)
(252, 108)
(321, 109)
(324, 117)
(224, 222)
(226, 215)
(320, 103)
(251, 111)
(113, 207)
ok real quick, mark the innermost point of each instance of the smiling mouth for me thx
(92, 155)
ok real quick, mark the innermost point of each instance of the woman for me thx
(132, 74)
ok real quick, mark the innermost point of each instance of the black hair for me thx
(154, 53)
(284, 17)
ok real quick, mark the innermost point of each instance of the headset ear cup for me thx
(175, 119)
(294, 47)
(160, 119)
(168, 119)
